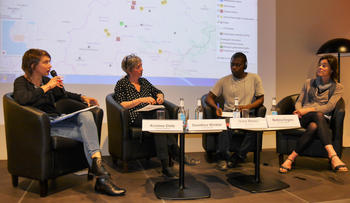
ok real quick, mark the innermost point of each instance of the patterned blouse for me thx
(125, 91)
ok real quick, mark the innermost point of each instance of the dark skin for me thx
(237, 70)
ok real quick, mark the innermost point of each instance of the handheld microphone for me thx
(54, 74)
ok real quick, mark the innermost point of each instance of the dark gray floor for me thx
(310, 181)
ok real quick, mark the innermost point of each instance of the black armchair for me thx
(210, 140)
(286, 139)
(32, 152)
(129, 143)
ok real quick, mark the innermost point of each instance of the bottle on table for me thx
(236, 112)
(198, 113)
(274, 106)
(181, 114)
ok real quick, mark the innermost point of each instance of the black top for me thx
(25, 93)
(125, 91)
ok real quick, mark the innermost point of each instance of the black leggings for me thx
(316, 126)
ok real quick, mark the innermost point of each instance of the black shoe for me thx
(104, 185)
(191, 161)
(168, 172)
(97, 168)
(222, 165)
(234, 161)
(188, 161)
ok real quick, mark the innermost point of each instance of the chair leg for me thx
(280, 159)
(115, 162)
(14, 180)
(90, 175)
(125, 166)
(43, 188)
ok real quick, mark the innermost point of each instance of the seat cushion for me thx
(62, 143)
(136, 133)
(293, 132)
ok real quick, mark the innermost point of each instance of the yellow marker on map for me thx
(107, 32)
(160, 51)
(164, 2)
(141, 8)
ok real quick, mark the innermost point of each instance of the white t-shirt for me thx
(246, 89)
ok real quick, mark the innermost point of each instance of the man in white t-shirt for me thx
(249, 90)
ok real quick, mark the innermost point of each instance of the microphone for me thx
(54, 74)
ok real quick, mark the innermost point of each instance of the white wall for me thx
(302, 27)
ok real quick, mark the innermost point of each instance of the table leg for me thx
(254, 183)
(176, 189)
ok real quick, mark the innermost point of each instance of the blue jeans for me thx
(80, 127)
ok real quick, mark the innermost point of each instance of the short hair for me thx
(333, 62)
(32, 57)
(129, 62)
(240, 55)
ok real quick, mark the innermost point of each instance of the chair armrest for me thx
(208, 111)
(287, 104)
(27, 136)
(172, 109)
(260, 111)
(337, 120)
(117, 122)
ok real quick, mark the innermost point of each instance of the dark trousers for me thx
(316, 125)
(241, 143)
(165, 143)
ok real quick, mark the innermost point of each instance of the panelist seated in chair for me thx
(249, 90)
(35, 89)
(317, 100)
(134, 92)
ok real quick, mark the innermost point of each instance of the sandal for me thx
(285, 168)
(336, 168)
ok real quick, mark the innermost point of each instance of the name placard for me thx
(283, 121)
(248, 123)
(161, 125)
(227, 114)
(206, 124)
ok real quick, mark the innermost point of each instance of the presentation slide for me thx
(180, 42)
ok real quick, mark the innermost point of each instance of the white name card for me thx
(248, 123)
(161, 125)
(206, 124)
(283, 121)
(227, 114)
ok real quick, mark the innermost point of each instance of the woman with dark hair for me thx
(35, 89)
(134, 92)
(317, 100)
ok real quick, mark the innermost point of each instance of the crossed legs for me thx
(316, 125)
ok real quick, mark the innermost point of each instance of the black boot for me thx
(97, 168)
(104, 185)
(166, 170)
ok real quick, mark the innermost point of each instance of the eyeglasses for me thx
(128, 58)
(236, 64)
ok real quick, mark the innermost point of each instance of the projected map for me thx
(187, 39)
